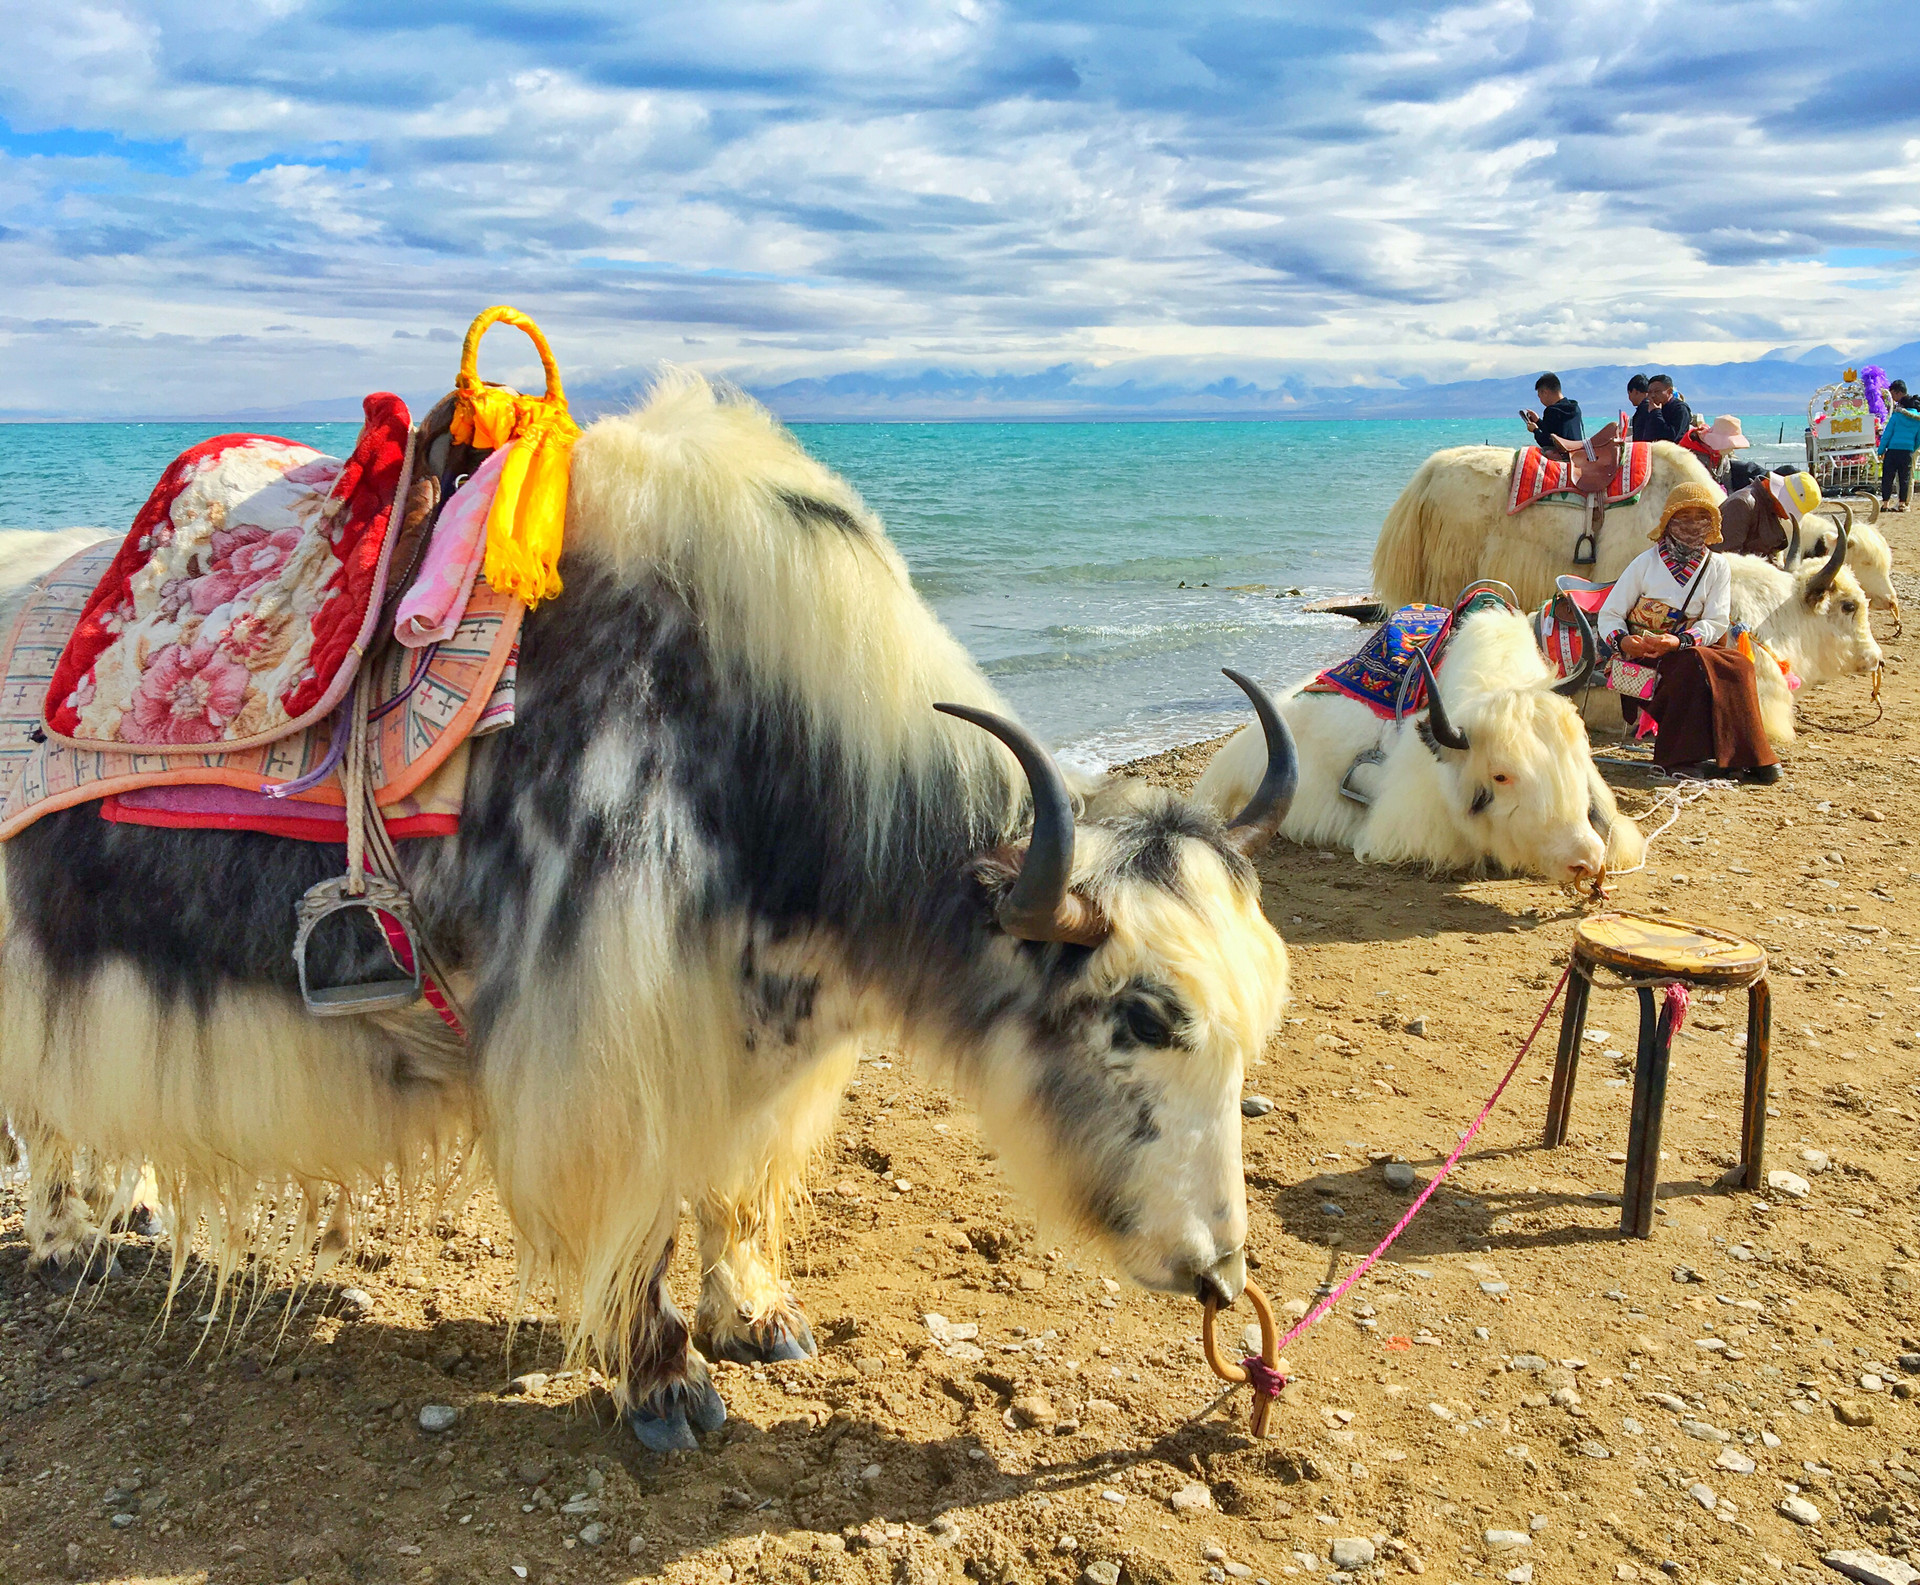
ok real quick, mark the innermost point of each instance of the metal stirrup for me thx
(375, 897)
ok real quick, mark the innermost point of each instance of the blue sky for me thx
(235, 204)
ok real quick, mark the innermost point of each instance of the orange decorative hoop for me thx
(1262, 1369)
(469, 376)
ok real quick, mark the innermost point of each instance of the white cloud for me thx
(788, 190)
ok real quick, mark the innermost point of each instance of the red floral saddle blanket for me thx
(242, 600)
(1537, 476)
(423, 706)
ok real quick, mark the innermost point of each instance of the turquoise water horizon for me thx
(1101, 572)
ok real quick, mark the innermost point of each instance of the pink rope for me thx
(1426, 1194)
(1679, 1003)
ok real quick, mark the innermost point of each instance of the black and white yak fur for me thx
(728, 846)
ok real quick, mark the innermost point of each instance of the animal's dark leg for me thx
(65, 1245)
(747, 1314)
(671, 1398)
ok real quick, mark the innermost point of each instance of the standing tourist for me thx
(1558, 415)
(1899, 437)
(1672, 418)
(1643, 412)
(1670, 609)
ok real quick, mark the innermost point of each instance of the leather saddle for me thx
(1593, 463)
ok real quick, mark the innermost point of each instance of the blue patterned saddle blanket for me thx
(1382, 675)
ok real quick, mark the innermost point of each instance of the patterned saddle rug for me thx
(1537, 476)
(242, 600)
(1382, 675)
(424, 705)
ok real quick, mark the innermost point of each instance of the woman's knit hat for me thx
(1683, 496)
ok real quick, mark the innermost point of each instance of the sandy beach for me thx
(1515, 1387)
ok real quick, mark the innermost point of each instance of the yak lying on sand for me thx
(1497, 773)
(731, 843)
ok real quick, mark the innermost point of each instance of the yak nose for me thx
(1224, 1281)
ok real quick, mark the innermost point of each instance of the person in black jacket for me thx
(1559, 415)
(1672, 418)
(1644, 413)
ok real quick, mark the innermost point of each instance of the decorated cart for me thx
(1841, 433)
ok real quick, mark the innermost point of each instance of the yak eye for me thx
(1501, 778)
(1849, 606)
(1143, 1024)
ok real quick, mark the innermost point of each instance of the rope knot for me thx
(1262, 1378)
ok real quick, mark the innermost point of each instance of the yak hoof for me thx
(143, 1221)
(65, 1273)
(779, 1338)
(676, 1416)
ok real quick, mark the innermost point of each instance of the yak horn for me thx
(1443, 730)
(1822, 581)
(1266, 811)
(1039, 906)
(1589, 645)
(1792, 558)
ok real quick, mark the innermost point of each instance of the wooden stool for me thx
(1646, 954)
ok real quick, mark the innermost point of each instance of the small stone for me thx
(1329, 1208)
(1255, 1106)
(437, 1417)
(1595, 1450)
(1564, 1398)
(1850, 1411)
(355, 1304)
(1032, 1410)
(1703, 1494)
(847, 1189)
(1352, 1552)
(1191, 1500)
(1398, 1175)
(1790, 1184)
(1528, 1362)
(1417, 1026)
(1493, 1290)
(1101, 1573)
(1799, 1510)
(120, 1521)
(1734, 1462)
(593, 1534)
(1506, 1540)
(1871, 1568)
(1871, 1382)
(1117, 1498)
(1816, 1160)
(531, 1382)
(1523, 1575)
(1700, 1431)
(1625, 1571)
(1032, 1281)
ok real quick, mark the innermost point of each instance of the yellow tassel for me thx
(526, 524)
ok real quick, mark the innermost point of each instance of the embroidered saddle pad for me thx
(1382, 675)
(240, 604)
(1536, 476)
(424, 705)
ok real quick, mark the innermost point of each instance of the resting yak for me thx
(1497, 771)
(731, 842)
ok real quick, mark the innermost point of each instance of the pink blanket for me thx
(432, 608)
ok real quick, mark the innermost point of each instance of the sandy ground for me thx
(1515, 1388)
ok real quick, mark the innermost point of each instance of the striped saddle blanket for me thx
(1382, 674)
(1536, 476)
(423, 707)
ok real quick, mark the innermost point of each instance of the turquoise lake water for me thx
(1055, 552)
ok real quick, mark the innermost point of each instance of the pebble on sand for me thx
(1850, 1411)
(1734, 1462)
(1398, 1175)
(355, 1303)
(1191, 1500)
(1101, 1573)
(1871, 1568)
(1799, 1510)
(438, 1417)
(1352, 1552)
(1255, 1106)
(1507, 1540)
(1790, 1184)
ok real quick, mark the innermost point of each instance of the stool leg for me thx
(1753, 1115)
(1649, 1111)
(1566, 1061)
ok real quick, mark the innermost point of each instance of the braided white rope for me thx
(1688, 790)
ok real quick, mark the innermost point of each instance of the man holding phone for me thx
(1559, 415)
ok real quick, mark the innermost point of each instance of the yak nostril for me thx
(1224, 1281)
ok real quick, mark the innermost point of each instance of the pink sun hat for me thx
(1723, 434)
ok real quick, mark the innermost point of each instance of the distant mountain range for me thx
(1779, 381)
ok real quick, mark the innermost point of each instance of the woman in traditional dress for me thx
(1671, 610)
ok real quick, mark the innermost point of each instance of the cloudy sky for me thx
(223, 205)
